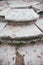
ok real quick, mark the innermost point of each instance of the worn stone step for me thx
(18, 15)
(20, 34)
(32, 54)
(21, 4)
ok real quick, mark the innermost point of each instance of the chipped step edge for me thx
(18, 41)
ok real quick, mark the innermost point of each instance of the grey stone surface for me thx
(7, 55)
(21, 3)
(2, 25)
(3, 12)
(39, 23)
(33, 54)
(19, 15)
(38, 7)
(20, 31)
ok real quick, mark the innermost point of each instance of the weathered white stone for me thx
(33, 54)
(20, 3)
(1, 8)
(39, 23)
(38, 7)
(20, 31)
(7, 55)
(21, 15)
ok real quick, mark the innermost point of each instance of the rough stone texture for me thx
(39, 23)
(33, 54)
(28, 54)
(7, 55)
(21, 3)
(20, 31)
(21, 15)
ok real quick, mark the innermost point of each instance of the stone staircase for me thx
(21, 22)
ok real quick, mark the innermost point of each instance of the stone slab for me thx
(32, 54)
(7, 55)
(21, 4)
(20, 31)
(39, 23)
(18, 15)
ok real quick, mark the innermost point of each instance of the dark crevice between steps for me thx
(22, 41)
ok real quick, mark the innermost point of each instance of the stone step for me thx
(29, 54)
(32, 54)
(20, 34)
(18, 15)
(21, 4)
(38, 7)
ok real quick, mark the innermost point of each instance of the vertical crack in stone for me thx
(19, 59)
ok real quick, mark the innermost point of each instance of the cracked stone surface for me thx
(38, 7)
(21, 15)
(33, 54)
(7, 55)
(21, 3)
(39, 23)
(20, 31)
(27, 54)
